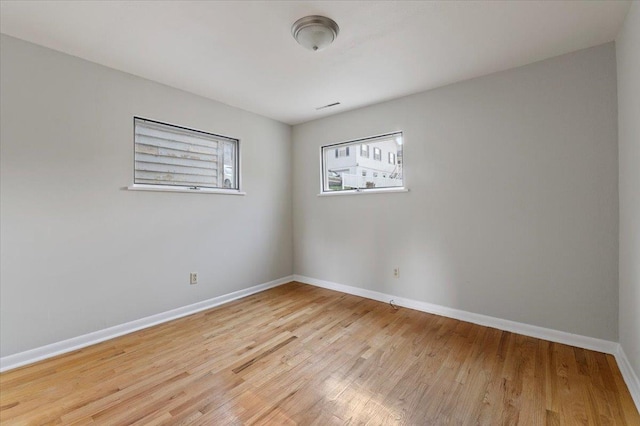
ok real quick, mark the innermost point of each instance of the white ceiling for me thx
(242, 53)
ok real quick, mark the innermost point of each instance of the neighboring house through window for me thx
(350, 166)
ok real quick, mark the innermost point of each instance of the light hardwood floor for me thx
(297, 354)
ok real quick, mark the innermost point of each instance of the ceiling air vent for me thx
(328, 106)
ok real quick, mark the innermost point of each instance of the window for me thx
(342, 152)
(174, 156)
(377, 154)
(343, 173)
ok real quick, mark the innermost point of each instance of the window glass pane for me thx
(344, 172)
(174, 156)
(229, 165)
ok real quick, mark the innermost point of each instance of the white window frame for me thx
(169, 186)
(329, 150)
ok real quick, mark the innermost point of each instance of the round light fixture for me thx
(315, 32)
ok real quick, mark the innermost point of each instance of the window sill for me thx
(162, 188)
(363, 191)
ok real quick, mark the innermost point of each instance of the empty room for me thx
(320, 212)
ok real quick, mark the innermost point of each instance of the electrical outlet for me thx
(193, 278)
(396, 272)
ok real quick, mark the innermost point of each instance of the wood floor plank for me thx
(298, 354)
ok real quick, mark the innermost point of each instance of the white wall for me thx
(628, 56)
(78, 252)
(513, 207)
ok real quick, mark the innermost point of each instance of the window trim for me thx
(183, 188)
(364, 191)
(364, 140)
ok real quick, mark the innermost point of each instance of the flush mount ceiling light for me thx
(315, 32)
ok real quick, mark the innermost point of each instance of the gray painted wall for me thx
(513, 203)
(513, 208)
(628, 56)
(78, 252)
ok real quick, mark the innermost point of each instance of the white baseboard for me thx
(585, 342)
(629, 376)
(10, 362)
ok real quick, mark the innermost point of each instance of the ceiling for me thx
(242, 52)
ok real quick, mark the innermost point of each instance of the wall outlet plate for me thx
(193, 278)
